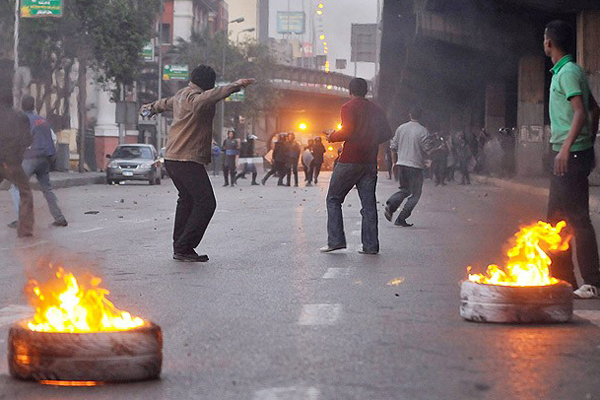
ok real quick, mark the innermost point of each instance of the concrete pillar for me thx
(262, 18)
(106, 131)
(588, 56)
(530, 120)
(495, 106)
(183, 19)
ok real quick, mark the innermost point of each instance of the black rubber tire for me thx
(125, 356)
(513, 304)
(152, 180)
(110, 182)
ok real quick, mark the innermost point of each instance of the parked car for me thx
(134, 162)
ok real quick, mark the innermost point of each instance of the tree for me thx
(106, 35)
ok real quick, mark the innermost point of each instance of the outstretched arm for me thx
(215, 95)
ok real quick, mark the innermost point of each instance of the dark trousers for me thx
(229, 169)
(411, 187)
(306, 169)
(278, 168)
(292, 169)
(343, 179)
(195, 206)
(16, 175)
(464, 171)
(248, 168)
(569, 201)
(315, 170)
(439, 171)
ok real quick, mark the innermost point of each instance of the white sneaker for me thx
(586, 292)
(328, 249)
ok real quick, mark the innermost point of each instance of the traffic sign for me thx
(148, 52)
(41, 8)
(176, 73)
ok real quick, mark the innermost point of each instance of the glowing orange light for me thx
(330, 148)
(322, 37)
(302, 126)
(528, 263)
(319, 12)
(66, 304)
(321, 5)
(71, 383)
(339, 126)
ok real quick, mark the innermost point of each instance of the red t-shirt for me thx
(364, 128)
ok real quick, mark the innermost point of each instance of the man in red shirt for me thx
(364, 128)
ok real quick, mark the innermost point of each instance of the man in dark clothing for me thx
(246, 155)
(189, 149)
(280, 159)
(37, 160)
(293, 150)
(231, 149)
(15, 138)
(439, 159)
(364, 128)
(318, 152)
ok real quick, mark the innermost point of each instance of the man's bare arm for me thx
(562, 158)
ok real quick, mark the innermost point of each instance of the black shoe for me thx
(13, 225)
(191, 257)
(388, 214)
(263, 182)
(60, 223)
(254, 184)
(402, 222)
(226, 184)
(368, 252)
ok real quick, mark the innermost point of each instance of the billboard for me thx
(41, 8)
(291, 22)
(175, 72)
(364, 43)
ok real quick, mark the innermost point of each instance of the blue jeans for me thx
(344, 178)
(41, 168)
(411, 187)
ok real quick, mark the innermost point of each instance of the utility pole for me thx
(159, 132)
(17, 23)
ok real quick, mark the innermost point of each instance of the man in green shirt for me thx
(574, 116)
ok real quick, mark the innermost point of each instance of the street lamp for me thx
(245, 30)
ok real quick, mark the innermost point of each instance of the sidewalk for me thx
(535, 186)
(66, 180)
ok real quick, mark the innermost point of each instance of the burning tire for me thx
(516, 304)
(118, 356)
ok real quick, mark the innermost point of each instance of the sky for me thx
(338, 16)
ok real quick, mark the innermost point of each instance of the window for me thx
(166, 33)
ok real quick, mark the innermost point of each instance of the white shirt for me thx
(411, 142)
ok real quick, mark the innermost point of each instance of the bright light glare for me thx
(302, 126)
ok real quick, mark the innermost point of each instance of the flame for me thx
(65, 305)
(528, 263)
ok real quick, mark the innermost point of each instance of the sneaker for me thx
(191, 257)
(328, 249)
(13, 225)
(371, 252)
(388, 214)
(60, 223)
(586, 292)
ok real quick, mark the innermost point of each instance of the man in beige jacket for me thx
(189, 147)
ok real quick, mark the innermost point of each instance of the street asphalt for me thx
(271, 318)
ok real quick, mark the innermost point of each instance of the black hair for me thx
(359, 87)
(204, 77)
(561, 34)
(416, 113)
(28, 103)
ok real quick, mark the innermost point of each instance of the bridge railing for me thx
(310, 79)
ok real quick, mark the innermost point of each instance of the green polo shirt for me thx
(568, 80)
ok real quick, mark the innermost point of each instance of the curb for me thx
(66, 182)
(535, 190)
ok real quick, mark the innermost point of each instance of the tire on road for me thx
(123, 356)
(514, 304)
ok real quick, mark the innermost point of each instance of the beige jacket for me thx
(190, 136)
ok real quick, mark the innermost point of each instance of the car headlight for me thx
(147, 165)
(113, 164)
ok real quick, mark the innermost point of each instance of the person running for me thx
(280, 160)
(37, 161)
(246, 155)
(318, 152)
(574, 116)
(364, 128)
(15, 138)
(188, 151)
(409, 146)
(293, 150)
(231, 149)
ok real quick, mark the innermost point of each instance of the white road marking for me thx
(289, 393)
(592, 315)
(41, 242)
(320, 314)
(13, 313)
(91, 230)
(333, 273)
